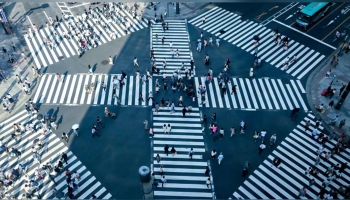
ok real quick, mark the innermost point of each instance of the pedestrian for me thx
(94, 131)
(213, 118)
(64, 157)
(221, 133)
(141, 97)
(233, 90)
(146, 124)
(184, 111)
(244, 172)
(110, 60)
(14, 46)
(213, 154)
(242, 126)
(135, 62)
(65, 137)
(173, 151)
(190, 153)
(312, 182)
(158, 158)
(322, 192)
(326, 182)
(99, 122)
(331, 104)
(19, 80)
(341, 123)
(166, 150)
(204, 121)
(233, 131)
(273, 140)
(261, 147)
(220, 157)
(189, 109)
(317, 160)
(168, 129)
(161, 170)
(163, 181)
(208, 183)
(90, 69)
(328, 73)
(341, 89)
(207, 171)
(302, 192)
(262, 135)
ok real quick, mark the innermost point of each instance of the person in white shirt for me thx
(262, 135)
(220, 157)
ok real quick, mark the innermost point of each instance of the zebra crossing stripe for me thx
(245, 93)
(98, 87)
(39, 49)
(217, 88)
(42, 46)
(137, 92)
(238, 93)
(124, 92)
(131, 90)
(232, 95)
(278, 94)
(77, 92)
(110, 94)
(43, 96)
(51, 91)
(310, 67)
(272, 94)
(199, 99)
(248, 26)
(104, 91)
(254, 28)
(214, 18)
(227, 18)
(144, 94)
(56, 42)
(299, 96)
(285, 94)
(64, 89)
(251, 93)
(58, 89)
(71, 91)
(203, 14)
(258, 94)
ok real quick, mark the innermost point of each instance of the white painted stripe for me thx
(199, 100)
(144, 94)
(290, 48)
(59, 41)
(178, 156)
(285, 94)
(251, 93)
(186, 186)
(66, 83)
(137, 91)
(43, 96)
(179, 108)
(206, 94)
(272, 94)
(90, 190)
(232, 95)
(73, 43)
(171, 136)
(229, 29)
(299, 96)
(265, 93)
(180, 170)
(217, 88)
(183, 143)
(42, 47)
(98, 88)
(131, 79)
(150, 85)
(32, 52)
(83, 93)
(306, 63)
(229, 18)
(103, 96)
(300, 86)
(78, 88)
(124, 92)
(278, 52)
(90, 95)
(310, 67)
(13, 117)
(193, 114)
(100, 192)
(204, 14)
(240, 35)
(52, 88)
(183, 194)
(212, 20)
(245, 93)
(42, 81)
(71, 89)
(212, 94)
(278, 94)
(262, 36)
(258, 94)
(266, 189)
(187, 131)
(245, 25)
(58, 91)
(108, 196)
(192, 125)
(110, 90)
(257, 30)
(65, 41)
(238, 93)
(177, 119)
(186, 178)
(56, 46)
(300, 61)
(254, 189)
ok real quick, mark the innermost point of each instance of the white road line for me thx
(103, 96)
(144, 94)
(292, 96)
(197, 91)
(285, 94)
(32, 52)
(301, 100)
(131, 80)
(265, 94)
(212, 94)
(83, 93)
(124, 92)
(238, 93)
(232, 95)
(278, 94)
(42, 81)
(77, 89)
(283, 55)
(110, 91)
(300, 86)
(98, 88)
(258, 94)
(271, 93)
(245, 93)
(305, 64)
(90, 95)
(198, 19)
(52, 88)
(137, 91)
(310, 67)
(63, 95)
(69, 99)
(218, 92)
(206, 94)
(251, 93)
(43, 95)
(307, 35)
(150, 84)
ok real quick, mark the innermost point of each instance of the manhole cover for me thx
(105, 62)
(222, 31)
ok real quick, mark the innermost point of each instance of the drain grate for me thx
(104, 62)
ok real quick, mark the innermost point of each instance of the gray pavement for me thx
(317, 82)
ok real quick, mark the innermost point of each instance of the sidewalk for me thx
(187, 9)
(10, 86)
(317, 82)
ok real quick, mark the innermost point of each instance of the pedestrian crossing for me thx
(298, 151)
(185, 177)
(52, 147)
(261, 93)
(176, 38)
(241, 33)
(63, 47)
(71, 90)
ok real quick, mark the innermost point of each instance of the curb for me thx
(308, 89)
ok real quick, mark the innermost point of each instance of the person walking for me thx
(184, 111)
(273, 140)
(331, 104)
(173, 151)
(135, 62)
(262, 135)
(302, 192)
(141, 97)
(158, 158)
(261, 148)
(341, 123)
(233, 131)
(65, 137)
(168, 130)
(220, 157)
(64, 157)
(208, 183)
(312, 182)
(190, 153)
(163, 181)
(146, 124)
(110, 60)
(166, 150)
(161, 170)
(213, 118)
(242, 126)
(221, 133)
(165, 129)
(244, 172)
(213, 154)
(18, 78)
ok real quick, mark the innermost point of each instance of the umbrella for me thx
(75, 126)
(35, 141)
(256, 37)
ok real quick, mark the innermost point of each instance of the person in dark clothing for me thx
(322, 192)
(244, 172)
(184, 112)
(207, 171)
(166, 149)
(64, 157)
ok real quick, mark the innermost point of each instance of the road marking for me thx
(285, 9)
(336, 28)
(332, 47)
(78, 5)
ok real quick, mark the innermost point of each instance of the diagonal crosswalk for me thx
(71, 90)
(253, 93)
(241, 33)
(50, 153)
(179, 37)
(44, 55)
(185, 177)
(298, 151)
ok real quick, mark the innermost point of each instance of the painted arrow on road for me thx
(332, 21)
(289, 17)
